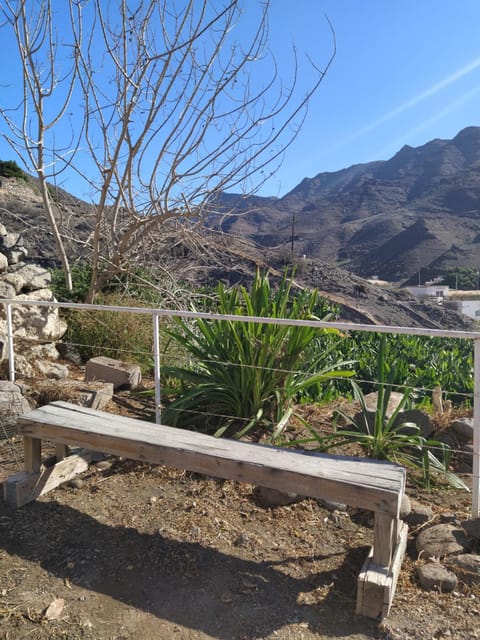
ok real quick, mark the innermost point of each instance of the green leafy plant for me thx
(420, 361)
(10, 169)
(383, 436)
(246, 374)
(115, 334)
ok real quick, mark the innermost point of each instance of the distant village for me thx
(466, 302)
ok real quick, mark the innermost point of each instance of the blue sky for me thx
(405, 72)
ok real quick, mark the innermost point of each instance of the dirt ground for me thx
(144, 552)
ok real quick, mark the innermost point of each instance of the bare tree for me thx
(42, 101)
(170, 109)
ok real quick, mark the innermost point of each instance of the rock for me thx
(242, 540)
(467, 566)
(371, 400)
(436, 576)
(103, 465)
(472, 527)
(274, 498)
(442, 540)
(463, 427)
(405, 507)
(23, 368)
(465, 456)
(52, 370)
(28, 277)
(76, 483)
(101, 396)
(419, 514)
(17, 255)
(46, 351)
(95, 395)
(332, 506)
(3, 262)
(69, 352)
(6, 290)
(54, 609)
(35, 322)
(421, 419)
(450, 518)
(446, 436)
(12, 405)
(120, 374)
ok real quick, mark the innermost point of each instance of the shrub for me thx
(115, 334)
(10, 169)
(246, 375)
(383, 437)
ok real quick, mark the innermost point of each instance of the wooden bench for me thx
(366, 484)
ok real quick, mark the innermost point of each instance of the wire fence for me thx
(158, 356)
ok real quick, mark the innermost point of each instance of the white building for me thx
(430, 290)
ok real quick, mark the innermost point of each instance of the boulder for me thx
(467, 566)
(28, 277)
(419, 418)
(52, 370)
(442, 540)
(435, 576)
(3, 262)
(371, 400)
(274, 498)
(12, 405)
(472, 527)
(36, 322)
(419, 514)
(463, 427)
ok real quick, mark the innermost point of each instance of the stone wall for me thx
(36, 328)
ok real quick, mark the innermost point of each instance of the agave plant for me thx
(383, 436)
(248, 374)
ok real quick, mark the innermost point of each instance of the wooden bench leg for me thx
(378, 578)
(32, 454)
(38, 479)
(61, 451)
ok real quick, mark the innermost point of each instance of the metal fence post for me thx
(476, 431)
(156, 360)
(11, 355)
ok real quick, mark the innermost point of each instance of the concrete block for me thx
(120, 374)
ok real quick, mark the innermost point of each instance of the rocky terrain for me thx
(204, 257)
(417, 211)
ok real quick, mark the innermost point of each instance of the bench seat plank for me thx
(359, 482)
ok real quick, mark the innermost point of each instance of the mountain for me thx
(201, 258)
(417, 212)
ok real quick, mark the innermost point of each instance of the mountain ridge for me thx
(419, 210)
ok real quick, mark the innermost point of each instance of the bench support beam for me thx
(26, 486)
(376, 583)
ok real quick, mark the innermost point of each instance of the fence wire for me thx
(345, 328)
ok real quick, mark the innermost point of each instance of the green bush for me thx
(10, 169)
(382, 436)
(246, 375)
(81, 275)
(115, 334)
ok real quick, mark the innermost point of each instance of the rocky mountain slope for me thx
(204, 257)
(420, 210)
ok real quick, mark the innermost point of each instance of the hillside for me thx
(22, 212)
(204, 257)
(420, 210)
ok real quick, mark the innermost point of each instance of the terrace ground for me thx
(151, 552)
